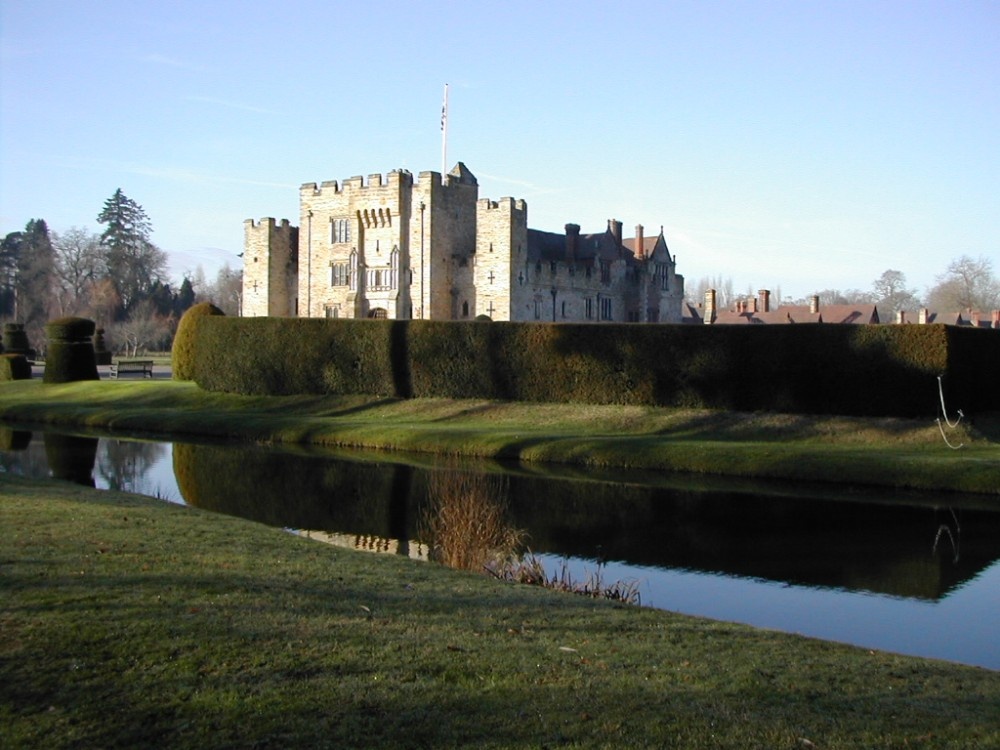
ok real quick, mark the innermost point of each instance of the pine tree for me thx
(134, 263)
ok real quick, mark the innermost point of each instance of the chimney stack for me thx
(572, 241)
(615, 227)
(995, 316)
(640, 243)
(765, 300)
(900, 317)
(709, 306)
(814, 304)
(922, 316)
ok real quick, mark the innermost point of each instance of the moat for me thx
(910, 573)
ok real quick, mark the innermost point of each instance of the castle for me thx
(405, 248)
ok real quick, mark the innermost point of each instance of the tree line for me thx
(117, 277)
(966, 284)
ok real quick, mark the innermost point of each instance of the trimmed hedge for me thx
(181, 359)
(15, 339)
(71, 351)
(14, 367)
(820, 369)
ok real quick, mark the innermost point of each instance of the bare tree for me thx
(967, 284)
(890, 292)
(79, 264)
(143, 330)
(724, 294)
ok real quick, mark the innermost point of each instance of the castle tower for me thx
(501, 238)
(270, 257)
(444, 244)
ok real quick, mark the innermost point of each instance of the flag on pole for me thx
(444, 131)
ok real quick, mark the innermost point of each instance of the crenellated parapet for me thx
(398, 178)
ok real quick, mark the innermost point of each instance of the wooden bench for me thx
(142, 367)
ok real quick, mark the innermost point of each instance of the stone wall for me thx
(270, 256)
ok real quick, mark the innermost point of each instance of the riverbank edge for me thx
(878, 452)
(130, 621)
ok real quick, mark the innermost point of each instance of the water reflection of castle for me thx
(917, 550)
(912, 550)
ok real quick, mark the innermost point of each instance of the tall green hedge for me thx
(823, 369)
(181, 360)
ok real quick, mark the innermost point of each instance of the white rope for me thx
(944, 411)
(953, 447)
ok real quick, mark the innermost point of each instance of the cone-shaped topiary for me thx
(14, 367)
(182, 355)
(71, 351)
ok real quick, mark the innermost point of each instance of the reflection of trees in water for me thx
(21, 456)
(123, 464)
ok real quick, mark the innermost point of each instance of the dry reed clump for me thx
(465, 520)
(529, 569)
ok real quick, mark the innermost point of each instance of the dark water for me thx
(910, 573)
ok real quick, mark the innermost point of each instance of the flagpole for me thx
(444, 133)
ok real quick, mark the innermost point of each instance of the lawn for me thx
(129, 622)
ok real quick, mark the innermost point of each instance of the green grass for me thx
(885, 452)
(128, 622)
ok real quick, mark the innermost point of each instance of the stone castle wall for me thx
(270, 253)
(429, 248)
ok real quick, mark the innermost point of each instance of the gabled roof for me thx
(651, 246)
(843, 314)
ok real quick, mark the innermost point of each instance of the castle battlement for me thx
(504, 205)
(267, 222)
(357, 183)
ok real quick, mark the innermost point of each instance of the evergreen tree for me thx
(134, 263)
(28, 275)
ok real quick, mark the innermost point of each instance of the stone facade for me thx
(398, 247)
(270, 260)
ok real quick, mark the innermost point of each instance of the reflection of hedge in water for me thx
(886, 548)
(14, 440)
(294, 491)
(71, 457)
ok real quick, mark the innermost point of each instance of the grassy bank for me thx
(886, 452)
(127, 622)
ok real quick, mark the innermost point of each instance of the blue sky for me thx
(796, 145)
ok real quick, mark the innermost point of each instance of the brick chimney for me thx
(765, 300)
(709, 306)
(615, 227)
(572, 241)
(814, 304)
(640, 243)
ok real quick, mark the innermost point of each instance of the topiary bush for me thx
(15, 339)
(71, 351)
(183, 353)
(14, 367)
